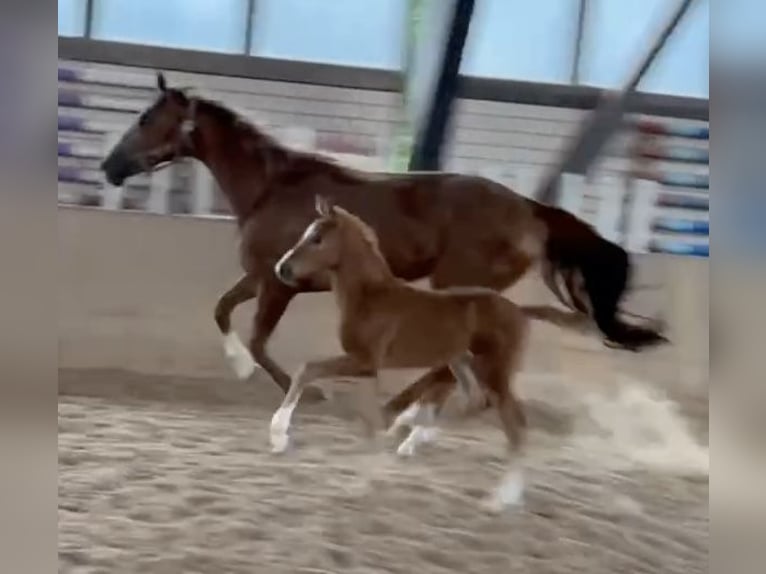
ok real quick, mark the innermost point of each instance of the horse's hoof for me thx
(406, 449)
(279, 443)
(508, 494)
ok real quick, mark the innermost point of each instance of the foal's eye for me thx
(316, 239)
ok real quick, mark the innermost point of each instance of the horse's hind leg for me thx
(426, 406)
(402, 409)
(239, 356)
(464, 370)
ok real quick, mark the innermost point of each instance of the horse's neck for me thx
(358, 277)
(240, 163)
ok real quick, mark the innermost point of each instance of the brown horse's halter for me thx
(182, 139)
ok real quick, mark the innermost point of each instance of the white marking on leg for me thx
(407, 448)
(407, 417)
(510, 492)
(418, 435)
(239, 356)
(469, 384)
(280, 424)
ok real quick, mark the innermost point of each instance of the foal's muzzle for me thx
(285, 273)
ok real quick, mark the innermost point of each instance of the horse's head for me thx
(158, 136)
(317, 251)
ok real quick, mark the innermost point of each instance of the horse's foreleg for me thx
(240, 358)
(341, 366)
(273, 299)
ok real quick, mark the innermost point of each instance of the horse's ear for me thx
(324, 206)
(162, 85)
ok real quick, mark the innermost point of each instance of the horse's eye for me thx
(142, 119)
(316, 239)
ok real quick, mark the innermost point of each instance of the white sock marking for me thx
(239, 356)
(280, 423)
(405, 418)
(418, 435)
(472, 393)
(415, 414)
(510, 492)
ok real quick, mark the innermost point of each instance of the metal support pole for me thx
(88, 30)
(430, 136)
(249, 26)
(582, 14)
(605, 119)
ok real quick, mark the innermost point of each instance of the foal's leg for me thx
(403, 408)
(341, 366)
(238, 355)
(421, 415)
(433, 388)
(458, 268)
(500, 371)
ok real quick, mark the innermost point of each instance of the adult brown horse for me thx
(458, 230)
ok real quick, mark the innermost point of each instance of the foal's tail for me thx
(574, 251)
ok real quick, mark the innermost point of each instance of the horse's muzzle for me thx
(285, 273)
(117, 170)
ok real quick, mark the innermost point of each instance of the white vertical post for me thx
(526, 180)
(201, 189)
(639, 232)
(572, 192)
(609, 209)
(159, 190)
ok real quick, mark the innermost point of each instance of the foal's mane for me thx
(290, 166)
(360, 229)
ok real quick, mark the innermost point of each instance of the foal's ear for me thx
(324, 206)
(162, 85)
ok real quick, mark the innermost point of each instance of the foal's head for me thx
(157, 136)
(335, 237)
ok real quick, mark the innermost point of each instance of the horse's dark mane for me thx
(293, 165)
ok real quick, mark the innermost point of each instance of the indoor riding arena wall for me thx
(138, 285)
(164, 463)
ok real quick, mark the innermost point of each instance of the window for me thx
(367, 33)
(522, 40)
(618, 34)
(683, 66)
(71, 17)
(212, 25)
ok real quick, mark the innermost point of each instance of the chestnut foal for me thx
(387, 323)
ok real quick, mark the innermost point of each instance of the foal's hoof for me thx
(406, 449)
(279, 443)
(508, 494)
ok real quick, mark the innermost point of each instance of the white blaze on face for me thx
(309, 233)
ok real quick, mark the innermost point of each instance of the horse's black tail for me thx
(606, 273)
(605, 269)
